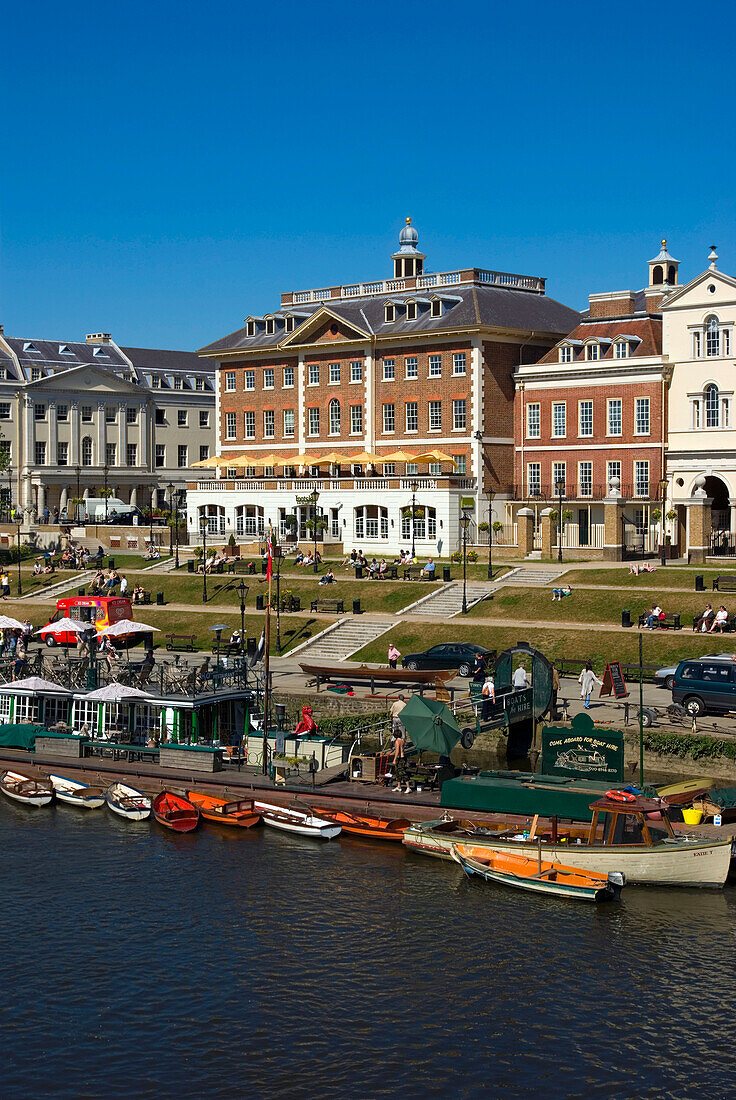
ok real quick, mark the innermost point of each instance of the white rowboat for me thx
(127, 802)
(77, 794)
(294, 821)
(26, 789)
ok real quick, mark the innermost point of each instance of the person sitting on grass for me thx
(558, 593)
(720, 622)
(329, 577)
(299, 558)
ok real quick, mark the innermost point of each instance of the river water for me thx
(217, 964)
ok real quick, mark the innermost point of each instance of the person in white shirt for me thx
(586, 679)
(520, 680)
(489, 697)
(720, 621)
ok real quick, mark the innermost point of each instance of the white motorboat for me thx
(26, 789)
(127, 802)
(77, 794)
(295, 821)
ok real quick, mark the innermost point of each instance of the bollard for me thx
(626, 618)
(359, 573)
(159, 599)
(699, 583)
(111, 563)
(356, 607)
(264, 566)
(252, 646)
(446, 573)
(259, 603)
(190, 567)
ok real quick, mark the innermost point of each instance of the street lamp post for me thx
(314, 497)
(105, 472)
(277, 552)
(464, 524)
(176, 528)
(78, 471)
(150, 529)
(19, 521)
(414, 487)
(560, 487)
(242, 592)
(203, 532)
(490, 534)
(10, 489)
(663, 495)
(170, 488)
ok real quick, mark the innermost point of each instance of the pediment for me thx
(85, 378)
(325, 326)
(695, 293)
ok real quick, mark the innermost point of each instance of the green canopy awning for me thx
(430, 725)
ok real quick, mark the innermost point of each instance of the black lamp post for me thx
(105, 493)
(150, 530)
(177, 498)
(10, 489)
(242, 592)
(490, 534)
(663, 495)
(414, 487)
(19, 521)
(78, 471)
(314, 497)
(464, 524)
(560, 487)
(203, 531)
(170, 489)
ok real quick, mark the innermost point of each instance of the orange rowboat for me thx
(377, 828)
(240, 813)
(174, 812)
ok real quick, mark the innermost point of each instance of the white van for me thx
(114, 508)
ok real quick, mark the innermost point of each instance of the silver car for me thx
(665, 677)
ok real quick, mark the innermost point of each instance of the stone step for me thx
(448, 601)
(530, 575)
(346, 638)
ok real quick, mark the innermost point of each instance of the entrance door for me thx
(583, 527)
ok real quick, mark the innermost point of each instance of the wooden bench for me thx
(416, 573)
(145, 598)
(328, 605)
(726, 583)
(728, 627)
(391, 572)
(669, 622)
(239, 565)
(181, 641)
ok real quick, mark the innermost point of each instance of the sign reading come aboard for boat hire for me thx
(583, 752)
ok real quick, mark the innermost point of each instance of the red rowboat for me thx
(240, 813)
(378, 828)
(175, 812)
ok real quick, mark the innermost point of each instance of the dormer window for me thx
(390, 313)
(566, 353)
(593, 351)
(270, 326)
(100, 353)
(31, 348)
(436, 307)
(250, 328)
(621, 349)
(288, 323)
(411, 311)
(64, 349)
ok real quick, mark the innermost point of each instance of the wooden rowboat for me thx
(174, 812)
(26, 789)
(537, 875)
(295, 821)
(240, 813)
(127, 802)
(387, 675)
(377, 828)
(77, 794)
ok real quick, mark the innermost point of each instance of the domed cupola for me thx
(408, 261)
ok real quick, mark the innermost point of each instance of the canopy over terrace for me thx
(36, 700)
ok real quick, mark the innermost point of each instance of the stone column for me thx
(29, 435)
(74, 455)
(732, 515)
(101, 434)
(549, 531)
(698, 524)
(53, 436)
(143, 435)
(122, 436)
(134, 496)
(41, 498)
(524, 531)
(64, 498)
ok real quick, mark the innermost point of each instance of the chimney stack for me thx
(98, 338)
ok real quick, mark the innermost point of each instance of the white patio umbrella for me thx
(127, 626)
(116, 693)
(71, 626)
(37, 683)
(7, 622)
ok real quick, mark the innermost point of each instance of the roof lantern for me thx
(663, 269)
(408, 261)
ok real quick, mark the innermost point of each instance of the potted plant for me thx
(497, 529)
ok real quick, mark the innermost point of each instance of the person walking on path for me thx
(479, 669)
(393, 655)
(396, 708)
(586, 679)
(520, 680)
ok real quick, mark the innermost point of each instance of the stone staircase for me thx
(344, 638)
(529, 575)
(447, 602)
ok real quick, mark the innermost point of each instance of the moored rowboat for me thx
(539, 876)
(377, 828)
(26, 789)
(294, 821)
(77, 794)
(174, 812)
(240, 813)
(127, 802)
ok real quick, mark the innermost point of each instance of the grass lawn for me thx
(662, 648)
(588, 605)
(672, 576)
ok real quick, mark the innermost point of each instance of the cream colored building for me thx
(698, 343)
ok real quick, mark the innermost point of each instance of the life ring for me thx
(620, 796)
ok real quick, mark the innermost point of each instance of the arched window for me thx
(334, 417)
(671, 275)
(371, 522)
(712, 337)
(249, 520)
(87, 451)
(658, 275)
(712, 406)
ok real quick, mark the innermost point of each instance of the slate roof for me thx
(47, 353)
(170, 361)
(648, 329)
(479, 305)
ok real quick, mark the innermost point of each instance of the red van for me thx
(98, 610)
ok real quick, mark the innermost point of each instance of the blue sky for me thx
(171, 167)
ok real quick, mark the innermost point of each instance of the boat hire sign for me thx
(583, 752)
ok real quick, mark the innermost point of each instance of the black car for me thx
(457, 655)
